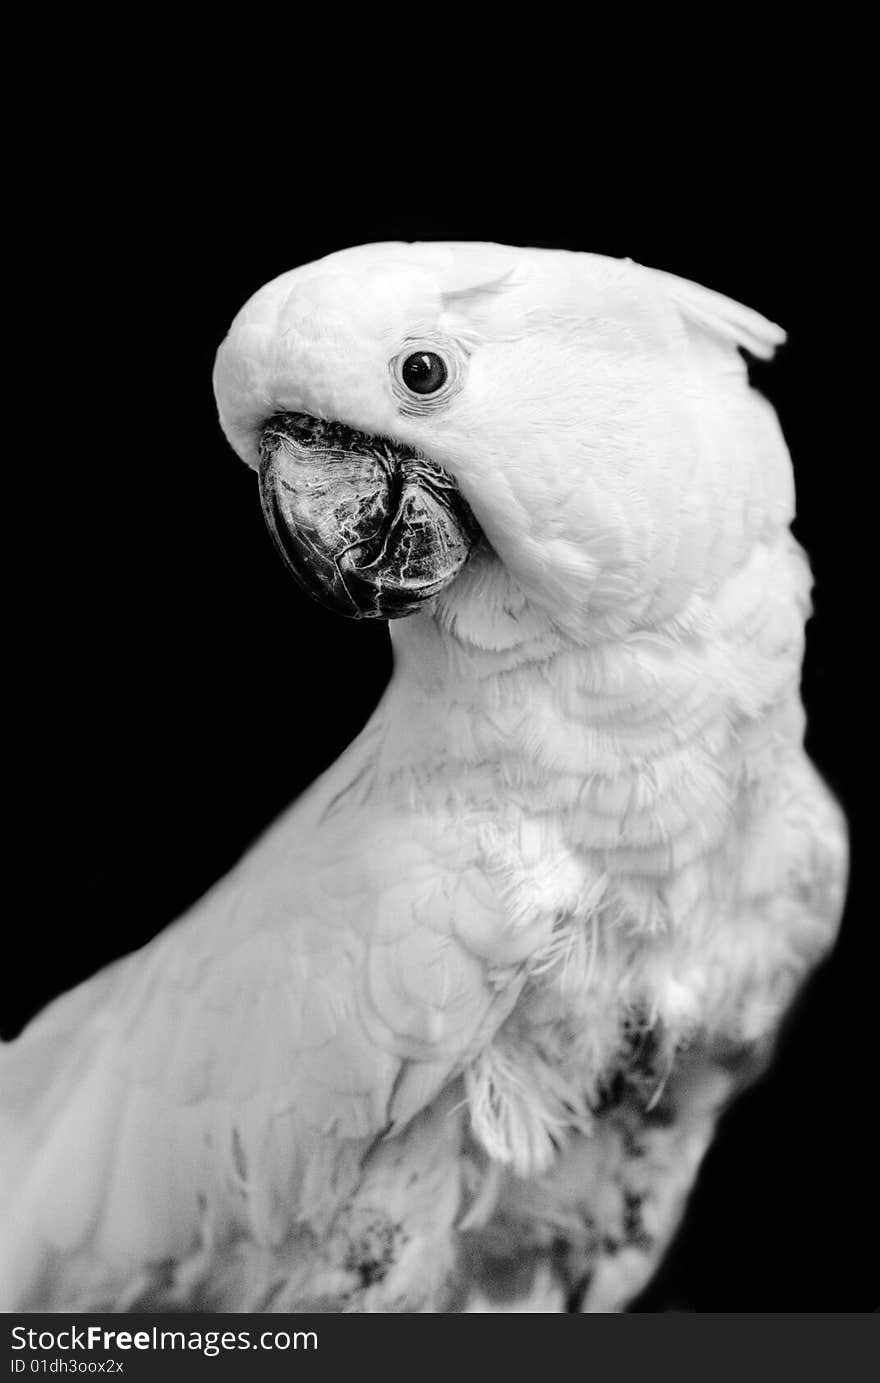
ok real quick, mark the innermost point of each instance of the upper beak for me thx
(369, 527)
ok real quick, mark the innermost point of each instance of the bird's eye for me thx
(424, 372)
(425, 375)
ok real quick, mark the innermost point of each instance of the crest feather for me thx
(722, 316)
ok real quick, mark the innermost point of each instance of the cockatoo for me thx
(455, 1033)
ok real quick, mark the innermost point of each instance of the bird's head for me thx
(584, 422)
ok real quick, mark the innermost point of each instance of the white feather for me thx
(583, 800)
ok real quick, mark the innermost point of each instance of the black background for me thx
(172, 689)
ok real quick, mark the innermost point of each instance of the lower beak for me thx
(369, 527)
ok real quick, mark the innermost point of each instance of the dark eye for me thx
(424, 372)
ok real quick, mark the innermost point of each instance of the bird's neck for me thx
(635, 742)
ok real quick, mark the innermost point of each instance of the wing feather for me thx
(195, 1079)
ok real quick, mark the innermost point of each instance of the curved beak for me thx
(368, 527)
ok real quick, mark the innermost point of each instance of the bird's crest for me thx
(722, 316)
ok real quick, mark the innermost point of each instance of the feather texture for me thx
(378, 1056)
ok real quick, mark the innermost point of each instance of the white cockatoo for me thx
(454, 1034)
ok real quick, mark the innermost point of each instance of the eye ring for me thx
(424, 374)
